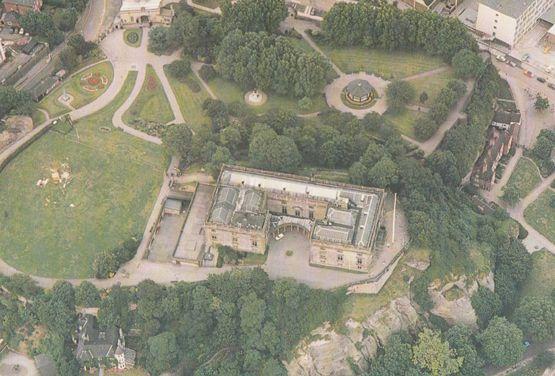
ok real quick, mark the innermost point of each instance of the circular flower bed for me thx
(132, 37)
(92, 82)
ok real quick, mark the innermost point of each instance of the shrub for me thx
(179, 69)
(132, 37)
(304, 104)
(207, 72)
(425, 127)
(192, 84)
(108, 262)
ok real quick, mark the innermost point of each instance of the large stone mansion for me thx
(250, 207)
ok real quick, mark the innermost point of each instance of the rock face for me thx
(328, 352)
(458, 310)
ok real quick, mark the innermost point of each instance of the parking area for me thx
(288, 258)
(165, 240)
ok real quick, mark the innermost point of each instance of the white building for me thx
(509, 20)
(146, 11)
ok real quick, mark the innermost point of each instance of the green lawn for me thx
(75, 86)
(38, 117)
(541, 215)
(190, 103)
(151, 104)
(115, 178)
(404, 121)
(395, 64)
(431, 85)
(229, 92)
(524, 177)
(301, 44)
(541, 280)
(208, 3)
(127, 35)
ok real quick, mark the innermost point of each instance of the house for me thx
(250, 207)
(144, 11)
(22, 6)
(509, 20)
(499, 142)
(95, 345)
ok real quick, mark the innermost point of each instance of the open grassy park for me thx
(432, 85)
(151, 104)
(404, 121)
(541, 279)
(190, 102)
(541, 214)
(524, 177)
(387, 64)
(109, 182)
(230, 92)
(84, 87)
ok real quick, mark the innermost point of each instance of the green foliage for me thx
(65, 19)
(501, 342)
(424, 127)
(199, 35)
(158, 40)
(541, 152)
(253, 15)
(81, 46)
(108, 262)
(486, 304)
(511, 195)
(41, 24)
(87, 295)
(541, 103)
(396, 359)
(460, 339)
(270, 63)
(536, 317)
(178, 140)
(435, 355)
(270, 151)
(393, 29)
(162, 352)
(69, 58)
(114, 309)
(179, 69)
(399, 94)
(14, 102)
(21, 285)
(467, 64)
(207, 72)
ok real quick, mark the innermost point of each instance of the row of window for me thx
(235, 240)
(297, 212)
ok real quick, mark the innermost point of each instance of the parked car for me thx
(526, 57)
(541, 79)
(512, 63)
(501, 58)
(551, 86)
(548, 69)
(528, 73)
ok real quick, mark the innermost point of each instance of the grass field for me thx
(541, 281)
(208, 3)
(386, 64)
(229, 92)
(404, 121)
(38, 117)
(130, 372)
(541, 215)
(301, 44)
(190, 103)
(74, 87)
(151, 104)
(524, 177)
(128, 33)
(55, 231)
(431, 85)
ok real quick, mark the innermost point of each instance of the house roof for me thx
(504, 117)
(94, 343)
(138, 5)
(512, 8)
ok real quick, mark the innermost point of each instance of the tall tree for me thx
(253, 15)
(536, 317)
(435, 355)
(501, 342)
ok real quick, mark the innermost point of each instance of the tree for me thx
(178, 140)
(423, 97)
(81, 46)
(15, 102)
(383, 174)
(158, 42)
(512, 266)
(69, 58)
(162, 353)
(269, 151)
(467, 64)
(65, 19)
(86, 295)
(460, 340)
(179, 69)
(399, 94)
(486, 304)
(536, 317)
(253, 15)
(445, 164)
(542, 103)
(396, 359)
(511, 195)
(435, 355)
(114, 309)
(501, 342)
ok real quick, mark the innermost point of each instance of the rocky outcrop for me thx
(456, 308)
(339, 352)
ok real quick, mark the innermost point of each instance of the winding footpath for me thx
(124, 60)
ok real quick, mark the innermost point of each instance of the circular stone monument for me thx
(359, 92)
(255, 98)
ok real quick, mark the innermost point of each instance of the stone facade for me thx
(250, 207)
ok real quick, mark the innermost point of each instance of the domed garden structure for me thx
(359, 92)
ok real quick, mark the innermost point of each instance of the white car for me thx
(279, 237)
(549, 69)
(501, 58)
